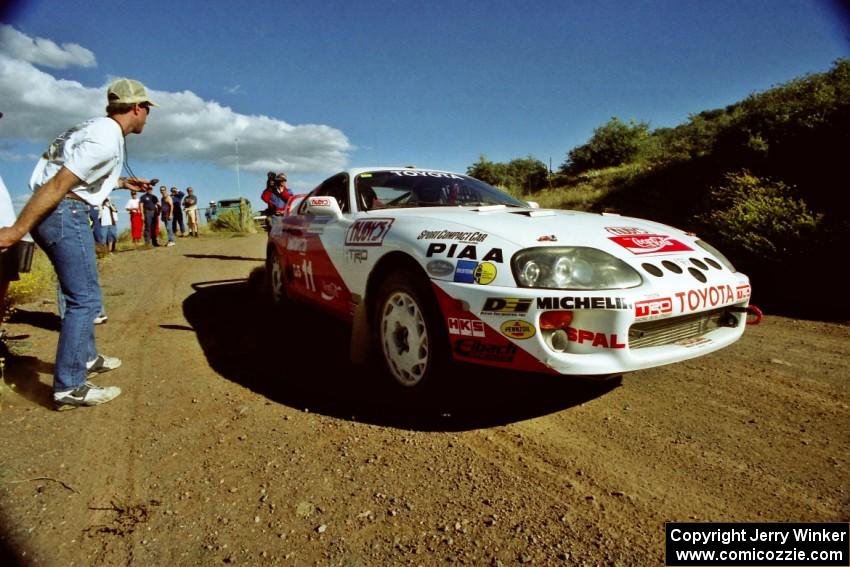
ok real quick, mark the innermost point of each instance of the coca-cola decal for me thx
(650, 244)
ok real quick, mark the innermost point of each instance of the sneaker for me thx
(86, 395)
(102, 364)
(100, 319)
(170, 244)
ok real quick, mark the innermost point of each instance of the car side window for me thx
(336, 187)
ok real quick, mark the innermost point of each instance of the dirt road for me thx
(246, 438)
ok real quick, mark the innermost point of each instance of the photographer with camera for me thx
(79, 169)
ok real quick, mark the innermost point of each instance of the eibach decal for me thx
(368, 232)
(650, 244)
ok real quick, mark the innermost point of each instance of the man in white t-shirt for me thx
(80, 168)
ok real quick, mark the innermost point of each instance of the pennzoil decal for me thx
(650, 244)
(368, 232)
(518, 329)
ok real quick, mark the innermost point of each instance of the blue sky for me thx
(311, 87)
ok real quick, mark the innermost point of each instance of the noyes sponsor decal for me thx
(368, 232)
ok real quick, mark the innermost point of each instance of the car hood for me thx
(622, 236)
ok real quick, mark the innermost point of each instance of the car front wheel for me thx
(408, 329)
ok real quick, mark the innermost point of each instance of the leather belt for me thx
(74, 196)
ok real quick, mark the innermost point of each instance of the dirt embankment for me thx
(244, 437)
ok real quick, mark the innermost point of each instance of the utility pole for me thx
(238, 182)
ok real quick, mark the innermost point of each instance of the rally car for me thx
(431, 266)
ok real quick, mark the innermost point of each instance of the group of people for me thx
(147, 210)
(80, 170)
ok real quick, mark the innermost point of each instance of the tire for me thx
(408, 331)
(275, 287)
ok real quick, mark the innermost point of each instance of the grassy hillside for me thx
(762, 180)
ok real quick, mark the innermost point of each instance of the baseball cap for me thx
(128, 91)
(281, 175)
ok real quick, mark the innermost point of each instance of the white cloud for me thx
(37, 107)
(40, 51)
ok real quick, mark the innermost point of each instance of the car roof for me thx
(358, 170)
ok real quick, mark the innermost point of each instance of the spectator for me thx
(10, 260)
(136, 219)
(276, 194)
(108, 223)
(149, 206)
(80, 168)
(190, 205)
(166, 206)
(176, 199)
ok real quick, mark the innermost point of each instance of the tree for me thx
(612, 144)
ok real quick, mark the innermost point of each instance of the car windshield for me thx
(417, 188)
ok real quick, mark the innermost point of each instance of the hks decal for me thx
(466, 327)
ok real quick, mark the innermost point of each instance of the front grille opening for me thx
(654, 270)
(672, 266)
(678, 329)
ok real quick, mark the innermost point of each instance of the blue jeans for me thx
(66, 238)
(169, 229)
(151, 229)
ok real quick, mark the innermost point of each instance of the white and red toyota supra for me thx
(431, 266)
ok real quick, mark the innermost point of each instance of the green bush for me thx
(760, 218)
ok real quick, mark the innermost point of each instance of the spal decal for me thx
(653, 307)
(468, 252)
(699, 299)
(518, 329)
(484, 273)
(506, 306)
(368, 232)
(485, 351)
(650, 244)
(466, 327)
(569, 302)
(594, 339)
(474, 237)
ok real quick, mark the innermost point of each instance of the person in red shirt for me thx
(276, 194)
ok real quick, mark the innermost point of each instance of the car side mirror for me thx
(533, 204)
(323, 207)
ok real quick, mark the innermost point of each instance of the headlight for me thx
(572, 268)
(712, 250)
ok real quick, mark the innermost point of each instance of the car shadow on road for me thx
(299, 358)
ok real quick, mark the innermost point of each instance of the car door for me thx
(318, 274)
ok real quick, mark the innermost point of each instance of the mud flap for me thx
(361, 344)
